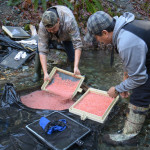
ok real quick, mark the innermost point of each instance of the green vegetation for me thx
(66, 3)
(36, 4)
(90, 6)
(14, 2)
(27, 27)
(146, 7)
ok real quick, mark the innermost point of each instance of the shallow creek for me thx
(96, 67)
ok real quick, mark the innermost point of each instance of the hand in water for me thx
(76, 71)
(46, 77)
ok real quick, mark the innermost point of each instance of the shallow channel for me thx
(99, 74)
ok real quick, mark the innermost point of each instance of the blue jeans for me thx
(141, 95)
(69, 50)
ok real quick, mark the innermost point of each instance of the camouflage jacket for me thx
(68, 31)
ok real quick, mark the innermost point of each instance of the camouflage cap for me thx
(96, 23)
(49, 19)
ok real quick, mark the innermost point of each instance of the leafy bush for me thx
(14, 2)
(90, 5)
(36, 4)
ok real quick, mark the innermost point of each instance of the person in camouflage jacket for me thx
(58, 23)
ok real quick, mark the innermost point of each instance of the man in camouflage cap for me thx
(49, 19)
(58, 23)
(131, 39)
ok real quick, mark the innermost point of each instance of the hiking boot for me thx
(37, 68)
(133, 125)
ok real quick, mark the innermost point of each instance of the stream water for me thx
(95, 65)
(100, 75)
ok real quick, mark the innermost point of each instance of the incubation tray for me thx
(31, 47)
(65, 76)
(88, 102)
(60, 140)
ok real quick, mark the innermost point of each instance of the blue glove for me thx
(49, 127)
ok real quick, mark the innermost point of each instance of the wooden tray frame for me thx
(54, 70)
(84, 115)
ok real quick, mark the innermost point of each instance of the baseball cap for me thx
(96, 23)
(49, 19)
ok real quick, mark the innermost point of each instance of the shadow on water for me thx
(99, 74)
(95, 65)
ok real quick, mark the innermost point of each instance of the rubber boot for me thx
(133, 125)
(37, 68)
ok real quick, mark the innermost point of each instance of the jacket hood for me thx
(120, 22)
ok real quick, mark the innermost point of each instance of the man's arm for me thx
(43, 48)
(43, 59)
(76, 61)
(77, 44)
(134, 63)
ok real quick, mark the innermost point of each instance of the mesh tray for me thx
(60, 140)
(64, 75)
(9, 61)
(85, 114)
